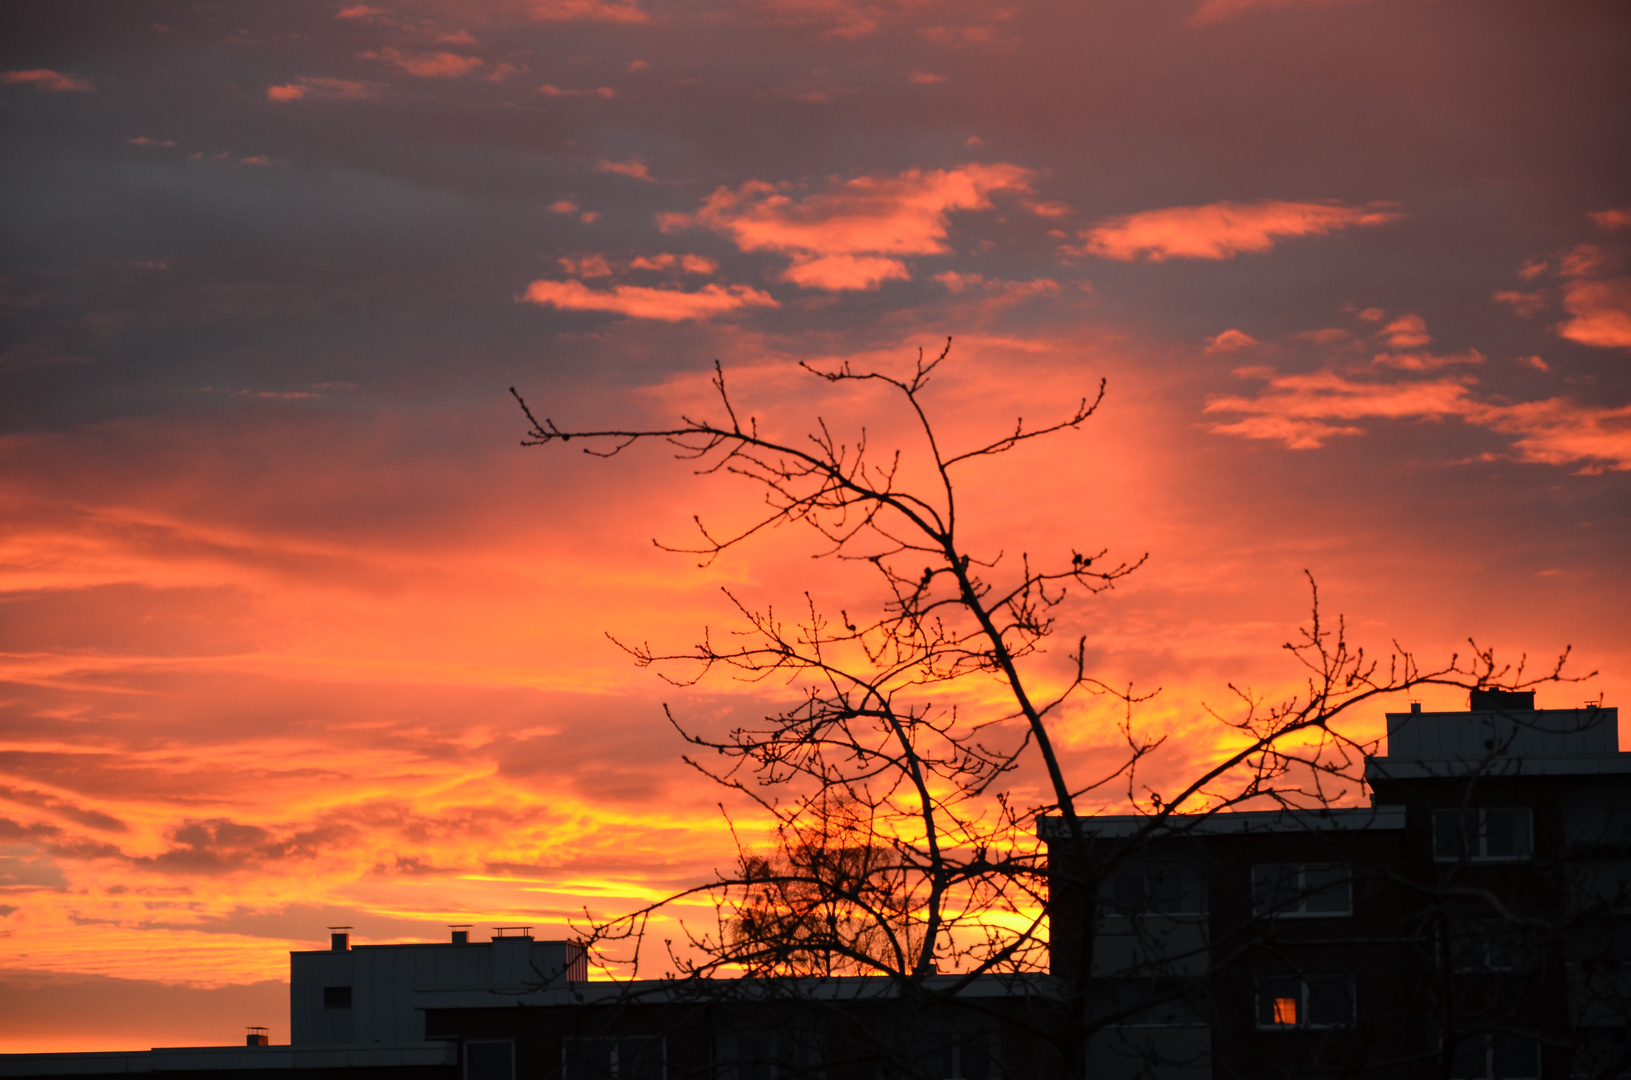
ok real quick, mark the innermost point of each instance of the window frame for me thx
(1192, 893)
(1304, 998)
(338, 998)
(1303, 892)
(614, 1058)
(1454, 851)
(1487, 1047)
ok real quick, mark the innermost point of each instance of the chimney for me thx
(1415, 707)
(461, 934)
(258, 1036)
(339, 939)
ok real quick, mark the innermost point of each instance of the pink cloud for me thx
(927, 79)
(358, 11)
(143, 140)
(585, 10)
(1221, 230)
(1295, 408)
(1600, 313)
(1406, 332)
(551, 90)
(564, 206)
(1208, 12)
(45, 79)
(587, 267)
(691, 264)
(1560, 432)
(1618, 218)
(633, 167)
(640, 302)
(1423, 361)
(1304, 411)
(1534, 362)
(853, 235)
(1521, 303)
(323, 88)
(436, 65)
(1229, 341)
(1583, 261)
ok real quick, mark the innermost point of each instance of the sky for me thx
(294, 633)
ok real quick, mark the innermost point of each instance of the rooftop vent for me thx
(461, 933)
(339, 938)
(1502, 701)
(258, 1036)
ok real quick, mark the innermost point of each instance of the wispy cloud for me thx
(45, 79)
(1599, 313)
(318, 87)
(1208, 12)
(586, 10)
(426, 65)
(633, 167)
(643, 302)
(853, 235)
(1222, 230)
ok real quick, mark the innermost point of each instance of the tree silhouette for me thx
(900, 850)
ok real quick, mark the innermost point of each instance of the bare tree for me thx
(900, 852)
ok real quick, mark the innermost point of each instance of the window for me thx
(629, 1058)
(489, 1060)
(1155, 892)
(1496, 1057)
(336, 997)
(1317, 1001)
(1482, 835)
(1482, 946)
(972, 1056)
(771, 1054)
(1176, 1013)
(1302, 890)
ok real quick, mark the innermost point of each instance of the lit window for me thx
(1316, 1001)
(1487, 835)
(1302, 890)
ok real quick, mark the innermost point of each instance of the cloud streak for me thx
(1222, 230)
(645, 302)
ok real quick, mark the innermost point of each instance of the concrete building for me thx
(1473, 921)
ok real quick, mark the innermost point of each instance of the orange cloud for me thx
(691, 264)
(323, 88)
(1522, 303)
(45, 79)
(436, 65)
(1600, 313)
(551, 90)
(633, 167)
(1406, 332)
(1618, 218)
(1296, 409)
(587, 267)
(358, 11)
(641, 302)
(1304, 411)
(1208, 12)
(585, 10)
(1422, 361)
(1221, 230)
(1230, 341)
(853, 235)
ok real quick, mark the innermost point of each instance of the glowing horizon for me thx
(294, 634)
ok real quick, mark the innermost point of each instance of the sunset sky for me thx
(294, 633)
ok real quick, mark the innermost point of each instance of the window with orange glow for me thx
(1314, 1001)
